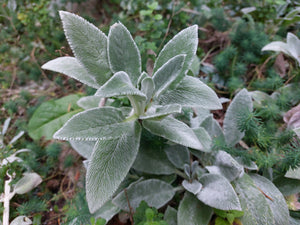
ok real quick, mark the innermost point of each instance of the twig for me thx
(267, 196)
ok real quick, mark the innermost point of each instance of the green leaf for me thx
(241, 102)
(156, 111)
(152, 160)
(107, 211)
(167, 74)
(89, 102)
(123, 53)
(155, 192)
(287, 186)
(95, 124)
(278, 204)
(178, 155)
(254, 204)
(83, 148)
(218, 193)
(52, 115)
(170, 216)
(191, 211)
(71, 67)
(109, 165)
(226, 166)
(230, 215)
(89, 45)
(204, 138)
(293, 173)
(173, 130)
(185, 42)
(119, 85)
(191, 92)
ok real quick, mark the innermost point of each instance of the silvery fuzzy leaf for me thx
(5, 126)
(287, 186)
(185, 42)
(170, 216)
(239, 103)
(148, 87)
(191, 211)
(249, 166)
(13, 157)
(15, 138)
(293, 46)
(107, 211)
(123, 54)
(21, 220)
(193, 187)
(293, 173)
(198, 116)
(277, 46)
(119, 85)
(89, 102)
(191, 92)
(141, 78)
(27, 183)
(95, 124)
(204, 138)
(173, 130)
(218, 193)
(89, 45)
(294, 221)
(254, 203)
(155, 192)
(109, 164)
(212, 127)
(71, 67)
(83, 148)
(278, 204)
(156, 111)
(178, 155)
(168, 74)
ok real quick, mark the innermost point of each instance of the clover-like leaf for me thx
(191, 92)
(153, 191)
(95, 124)
(173, 130)
(185, 42)
(123, 53)
(218, 193)
(108, 166)
(71, 67)
(93, 56)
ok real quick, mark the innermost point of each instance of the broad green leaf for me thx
(152, 160)
(52, 115)
(170, 216)
(218, 193)
(155, 192)
(242, 102)
(191, 211)
(107, 211)
(173, 130)
(293, 173)
(156, 111)
(95, 124)
(204, 138)
(83, 148)
(254, 204)
(119, 85)
(277, 204)
(287, 186)
(109, 165)
(226, 166)
(71, 67)
(89, 45)
(27, 183)
(123, 53)
(147, 87)
(185, 42)
(194, 187)
(178, 155)
(191, 92)
(89, 102)
(212, 127)
(168, 74)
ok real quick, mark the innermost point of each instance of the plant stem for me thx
(7, 197)
(181, 174)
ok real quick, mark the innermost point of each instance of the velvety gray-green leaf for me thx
(191, 92)
(178, 155)
(194, 187)
(123, 53)
(119, 85)
(168, 74)
(242, 102)
(185, 42)
(170, 216)
(109, 165)
(107, 211)
(294, 221)
(191, 211)
(212, 127)
(277, 204)
(218, 193)
(83, 148)
(89, 45)
(204, 138)
(148, 87)
(152, 160)
(287, 186)
(27, 183)
(155, 192)
(94, 124)
(156, 111)
(173, 130)
(293, 173)
(52, 115)
(89, 102)
(71, 67)
(254, 204)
